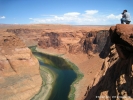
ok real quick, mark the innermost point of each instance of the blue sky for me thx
(74, 12)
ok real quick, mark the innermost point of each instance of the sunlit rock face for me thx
(19, 69)
(114, 81)
(66, 39)
(88, 42)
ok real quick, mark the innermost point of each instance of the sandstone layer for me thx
(114, 81)
(19, 69)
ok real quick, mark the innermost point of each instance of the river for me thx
(63, 77)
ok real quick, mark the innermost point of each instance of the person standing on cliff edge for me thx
(125, 17)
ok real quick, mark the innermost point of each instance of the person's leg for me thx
(123, 20)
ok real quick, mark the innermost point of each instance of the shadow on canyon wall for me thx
(115, 78)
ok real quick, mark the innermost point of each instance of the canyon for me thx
(103, 54)
(70, 42)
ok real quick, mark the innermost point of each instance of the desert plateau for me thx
(66, 62)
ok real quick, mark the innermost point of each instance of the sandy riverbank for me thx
(88, 66)
(46, 88)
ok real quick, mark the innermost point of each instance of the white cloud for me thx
(91, 12)
(72, 14)
(89, 17)
(2, 17)
(112, 16)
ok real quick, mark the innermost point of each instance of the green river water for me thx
(64, 74)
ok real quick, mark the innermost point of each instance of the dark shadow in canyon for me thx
(108, 82)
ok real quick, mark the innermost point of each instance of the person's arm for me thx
(124, 15)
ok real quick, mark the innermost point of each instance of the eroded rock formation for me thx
(89, 43)
(115, 80)
(49, 40)
(29, 36)
(19, 70)
(67, 41)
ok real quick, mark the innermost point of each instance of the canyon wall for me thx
(29, 36)
(74, 43)
(65, 41)
(19, 69)
(115, 80)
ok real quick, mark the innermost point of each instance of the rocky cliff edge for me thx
(19, 69)
(115, 80)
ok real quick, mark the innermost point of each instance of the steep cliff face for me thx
(50, 40)
(115, 80)
(64, 40)
(95, 41)
(19, 69)
(29, 36)
(87, 42)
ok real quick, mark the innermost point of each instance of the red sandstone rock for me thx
(90, 42)
(19, 69)
(114, 81)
